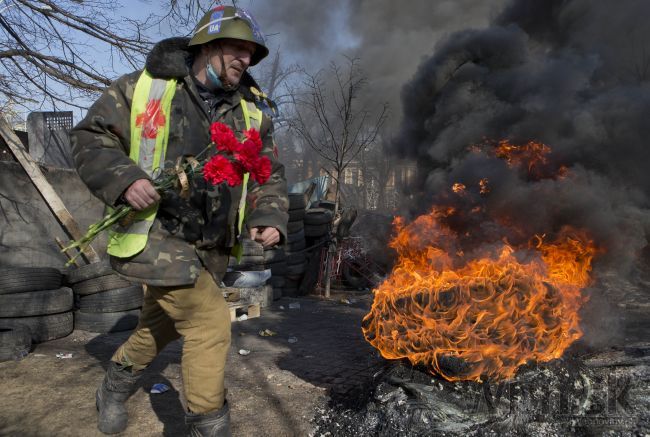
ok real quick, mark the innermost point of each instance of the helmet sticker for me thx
(215, 22)
(257, 33)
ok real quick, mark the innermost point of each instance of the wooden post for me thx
(52, 199)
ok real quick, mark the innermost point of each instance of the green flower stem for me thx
(162, 183)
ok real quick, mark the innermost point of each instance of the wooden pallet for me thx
(237, 309)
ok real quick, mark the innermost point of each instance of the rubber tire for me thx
(36, 303)
(295, 227)
(317, 216)
(89, 271)
(296, 236)
(353, 278)
(44, 328)
(99, 284)
(274, 255)
(277, 281)
(316, 230)
(23, 279)
(327, 204)
(295, 258)
(296, 269)
(297, 246)
(297, 201)
(252, 248)
(111, 301)
(279, 269)
(296, 215)
(15, 342)
(247, 263)
(106, 322)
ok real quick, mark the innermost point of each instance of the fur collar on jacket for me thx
(173, 58)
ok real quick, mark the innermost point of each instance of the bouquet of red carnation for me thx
(234, 159)
(238, 158)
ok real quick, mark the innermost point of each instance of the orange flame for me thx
(484, 316)
(458, 188)
(532, 153)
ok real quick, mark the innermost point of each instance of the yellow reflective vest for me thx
(150, 109)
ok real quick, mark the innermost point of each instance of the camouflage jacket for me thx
(187, 233)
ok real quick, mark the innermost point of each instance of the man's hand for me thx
(265, 235)
(141, 194)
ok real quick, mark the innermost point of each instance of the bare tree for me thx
(329, 117)
(377, 167)
(49, 49)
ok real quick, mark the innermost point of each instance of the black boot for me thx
(116, 388)
(214, 424)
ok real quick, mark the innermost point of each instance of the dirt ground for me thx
(274, 391)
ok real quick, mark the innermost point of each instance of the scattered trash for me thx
(64, 356)
(242, 317)
(159, 388)
(294, 306)
(40, 355)
(244, 352)
(345, 301)
(281, 307)
(292, 340)
(267, 333)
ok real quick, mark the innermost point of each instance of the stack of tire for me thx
(253, 260)
(295, 245)
(318, 222)
(275, 259)
(34, 308)
(104, 301)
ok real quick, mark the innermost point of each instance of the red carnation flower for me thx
(262, 170)
(223, 137)
(247, 155)
(254, 135)
(219, 169)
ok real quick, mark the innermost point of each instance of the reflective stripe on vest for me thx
(150, 109)
(252, 119)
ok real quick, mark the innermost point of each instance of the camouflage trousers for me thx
(200, 314)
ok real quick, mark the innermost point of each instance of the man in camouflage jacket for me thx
(191, 237)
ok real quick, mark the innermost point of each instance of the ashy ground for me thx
(276, 390)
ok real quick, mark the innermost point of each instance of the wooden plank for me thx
(46, 190)
(237, 310)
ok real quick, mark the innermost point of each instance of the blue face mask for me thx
(213, 77)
